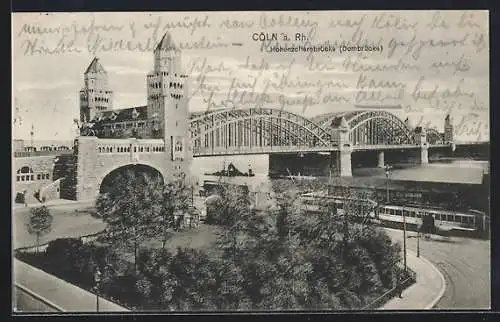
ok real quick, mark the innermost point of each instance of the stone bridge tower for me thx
(96, 95)
(168, 106)
(167, 150)
(341, 160)
(421, 136)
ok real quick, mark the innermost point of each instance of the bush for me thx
(19, 197)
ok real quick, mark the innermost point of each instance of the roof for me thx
(95, 67)
(340, 122)
(441, 173)
(166, 43)
(122, 115)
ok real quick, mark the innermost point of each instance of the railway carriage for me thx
(392, 215)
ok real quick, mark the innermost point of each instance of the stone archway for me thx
(137, 169)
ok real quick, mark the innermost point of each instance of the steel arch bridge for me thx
(370, 127)
(267, 130)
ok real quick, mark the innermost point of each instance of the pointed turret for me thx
(167, 56)
(96, 95)
(95, 67)
(340, 123)
(166, 43)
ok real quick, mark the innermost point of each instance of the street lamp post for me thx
(404, 239)
(192, 195)
(387, 173)
(418, 242)
(97, 278)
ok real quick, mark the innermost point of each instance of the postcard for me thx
(254, 161)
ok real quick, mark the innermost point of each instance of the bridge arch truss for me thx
(253, 128)
(370, 127)
(241, 131)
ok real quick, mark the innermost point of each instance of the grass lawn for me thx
(75, 221)
(201, 238)
(66, 223)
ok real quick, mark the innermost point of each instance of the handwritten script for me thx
(430, 63)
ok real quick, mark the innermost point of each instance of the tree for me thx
(270, 259)
(130, 209)
(39, 223)
(176, 198)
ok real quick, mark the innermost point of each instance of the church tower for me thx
(95, 96)
(168, 109)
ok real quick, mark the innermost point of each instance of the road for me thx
(464, 263)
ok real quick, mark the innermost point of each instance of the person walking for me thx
(399, 287)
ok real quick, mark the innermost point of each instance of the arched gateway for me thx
(155, 135)
(137, 170)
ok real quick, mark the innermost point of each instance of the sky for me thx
(421, 64)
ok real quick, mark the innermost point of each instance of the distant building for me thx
(18, 145)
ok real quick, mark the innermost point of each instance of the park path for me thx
(425, 293)
(57, 292)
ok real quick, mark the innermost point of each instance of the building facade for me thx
(155, 135)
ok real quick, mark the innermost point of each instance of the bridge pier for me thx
(424, 145)
(381, 161)
(424, 155)
(341, 163)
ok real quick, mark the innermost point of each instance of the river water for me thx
(453, 171)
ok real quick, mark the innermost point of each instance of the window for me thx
(25, 174)
(38, 177)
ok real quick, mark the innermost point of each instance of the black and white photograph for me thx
(250, 161)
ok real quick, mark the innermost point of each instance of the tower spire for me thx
(95, 67)
(166, 43)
